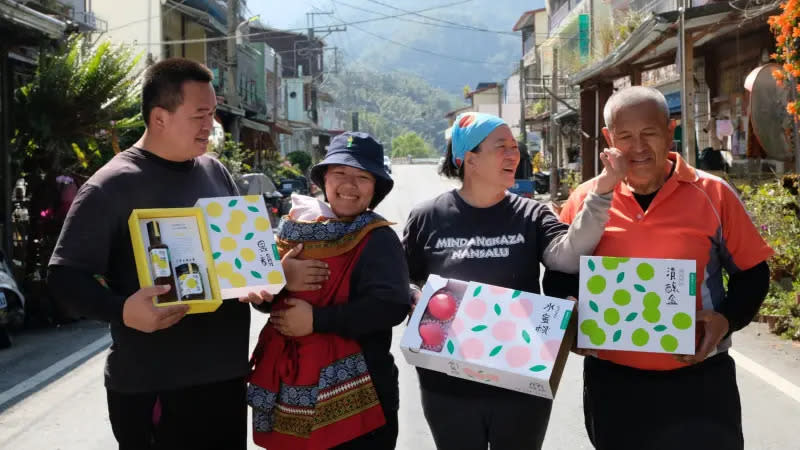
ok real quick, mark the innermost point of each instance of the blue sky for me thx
(290, 14)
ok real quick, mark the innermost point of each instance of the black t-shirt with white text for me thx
(500, 245)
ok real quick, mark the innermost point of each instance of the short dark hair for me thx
(163, 83)
(449, 168)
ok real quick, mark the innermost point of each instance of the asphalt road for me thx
(52, 396)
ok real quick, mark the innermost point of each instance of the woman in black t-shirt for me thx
(512, 236)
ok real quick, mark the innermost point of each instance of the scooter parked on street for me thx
(12, 303)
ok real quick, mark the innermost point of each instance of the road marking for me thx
(48, 373)
(772, 378)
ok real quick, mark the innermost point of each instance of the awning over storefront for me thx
(282, 126)
(226, 108)
(18, 22)
(258, 126)
(654, 42)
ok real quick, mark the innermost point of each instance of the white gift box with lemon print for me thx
(637, 304)
(243, 246)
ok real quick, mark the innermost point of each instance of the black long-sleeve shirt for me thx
(378, 301)
(95, 240)
(501, 245)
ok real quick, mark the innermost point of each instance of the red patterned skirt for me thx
(311, 392)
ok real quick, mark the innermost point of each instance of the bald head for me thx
(634, 96)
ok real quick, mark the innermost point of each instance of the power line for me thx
(421, 50)
(297, 30)
(438, 25)
(468, 27)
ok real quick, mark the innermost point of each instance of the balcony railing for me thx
(561, 13)
(539, 89)
(90, 20)
(654, 6)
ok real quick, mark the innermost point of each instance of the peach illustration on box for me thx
(489, 334)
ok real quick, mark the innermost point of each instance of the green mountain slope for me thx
(390, 104)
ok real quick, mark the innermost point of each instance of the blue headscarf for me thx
(469, 130)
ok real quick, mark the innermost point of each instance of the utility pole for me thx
(312, 47)
(686, 48)
(500, 100)
(231, 91)
(523, 133)
(554, 129)
(314, 53)
(276, 81)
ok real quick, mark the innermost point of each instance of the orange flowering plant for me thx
(786, 28)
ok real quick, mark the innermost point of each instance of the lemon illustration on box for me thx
(244, 251)
(637, 304)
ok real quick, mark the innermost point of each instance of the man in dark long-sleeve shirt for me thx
(193, 366)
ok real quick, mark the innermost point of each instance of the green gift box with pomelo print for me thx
(490, 334)
(637, 304)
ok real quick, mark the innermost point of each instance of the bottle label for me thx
(159, 259)
(191, 284)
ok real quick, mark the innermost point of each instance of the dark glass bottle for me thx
(190, 281)
(160, 263)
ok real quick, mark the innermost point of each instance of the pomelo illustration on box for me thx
(490, 334)
(244, 251)
(637, 304)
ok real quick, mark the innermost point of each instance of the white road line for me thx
(772, 378)
(48, 373)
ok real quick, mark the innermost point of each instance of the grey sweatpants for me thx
(512, 421)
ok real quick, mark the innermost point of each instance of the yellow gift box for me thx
(143, 268)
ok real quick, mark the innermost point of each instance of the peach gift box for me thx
(489, 334)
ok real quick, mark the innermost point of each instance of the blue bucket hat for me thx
(359, 150)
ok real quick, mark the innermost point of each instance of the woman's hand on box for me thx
(257, 297)
(139, 312)
(303, 274)
(295, 321)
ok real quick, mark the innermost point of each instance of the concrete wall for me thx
(295, 106)
(172, 31)
(128, 24)
(485, 98)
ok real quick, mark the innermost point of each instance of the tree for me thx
(71, 114)
(410, 144)
(300, 159)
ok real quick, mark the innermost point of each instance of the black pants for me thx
(507, 421)
(384, 438)
(207, 417)
(695, 407)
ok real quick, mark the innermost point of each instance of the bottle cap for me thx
(153, 229)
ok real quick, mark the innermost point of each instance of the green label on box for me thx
(275, 252)
(692, 283)
(565, 319)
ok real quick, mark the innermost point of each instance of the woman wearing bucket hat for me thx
(323, 375)
(512, 236)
